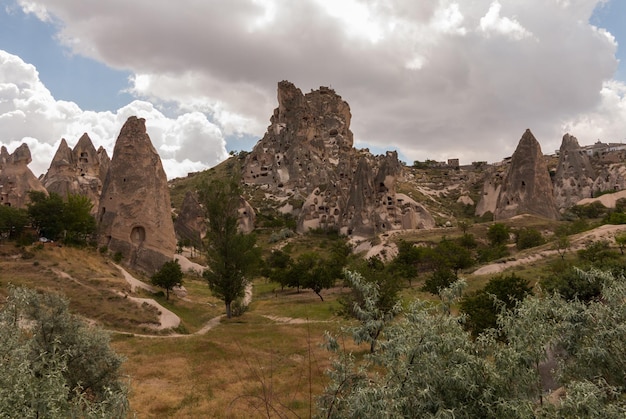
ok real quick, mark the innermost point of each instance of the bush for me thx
(527, 237)
(498, 234)
(117, 257)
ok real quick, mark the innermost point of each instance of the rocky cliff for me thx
(80, 171)
(527, 187)
(306, 160)
(16, 179)
(134, 214)
(574, 175)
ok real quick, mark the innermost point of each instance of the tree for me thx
(169, 276)
(70, 220)
(231, 255)
(561, 245)
(428, 366)
(12, 221)
(53, 364)
(482, 307)
(620, 239)
(406, 261)
(527, 237)
(498, 234)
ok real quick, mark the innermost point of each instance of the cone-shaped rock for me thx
(134, 215)
(574, 176)
(61, 175)
(527, 188)
(16, 179)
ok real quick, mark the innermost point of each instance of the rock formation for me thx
(527, 188)
(190, 223)
(135, 216)
(16, 179)
(79, 171)
(574, 176)
(306, 160)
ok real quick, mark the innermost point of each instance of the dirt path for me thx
(578, 241)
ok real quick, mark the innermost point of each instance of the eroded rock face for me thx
(190, 223)
(79, 171)
(574, 176)
(16, 179)
(527, 187)
(135, 212)
(306, 159)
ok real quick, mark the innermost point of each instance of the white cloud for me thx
(434, 78)
(29, 113)
(493, 22)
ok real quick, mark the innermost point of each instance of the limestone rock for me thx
(78, 171)
(306, 158)
(527, 188)
(574, 176)
(190, 223)
(135, 215)
(16, 179)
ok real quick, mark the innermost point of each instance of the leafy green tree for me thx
(277, 266)
(372, 308)
(12, 221)
(482, 307)
(569, 284)
(406, 262)
(527, 237)
(169, 276)
(428, 366)
(498, 234)
(56, 219)
(53, 364)
(231, 255)
(561, 244)
(620, 239)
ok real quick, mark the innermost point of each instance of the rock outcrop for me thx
(135, 215)
(190, 225)
(79, 171)
(527, 188)
(16, 179)
(574, 175)
(307, 161)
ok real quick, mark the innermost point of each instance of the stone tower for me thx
(135, 215)
(527, 188)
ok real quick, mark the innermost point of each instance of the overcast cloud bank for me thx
(434, 79)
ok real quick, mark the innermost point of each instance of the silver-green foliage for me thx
(428, 366)
(53, 364)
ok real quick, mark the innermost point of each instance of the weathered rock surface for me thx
(135, 215)
(527, 188)
(306, 158)
(79, 171)
(190, 223)
(574, 176)
(16, 179)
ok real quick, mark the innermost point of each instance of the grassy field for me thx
(267, 363)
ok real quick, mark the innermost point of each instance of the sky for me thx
(432, 79)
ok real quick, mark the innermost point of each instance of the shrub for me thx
(528, 237)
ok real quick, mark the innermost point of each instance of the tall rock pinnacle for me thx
(135, 212)
(16, 179)
(574, 176)
(527, 188)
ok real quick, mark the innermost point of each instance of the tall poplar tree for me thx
(231, 255)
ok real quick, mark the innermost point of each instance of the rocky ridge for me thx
(306, 161)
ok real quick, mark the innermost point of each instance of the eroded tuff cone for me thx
(16, 179)
(307, 156)
(76, 171)
(135, 212)
(527, 188)
(574, 176)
